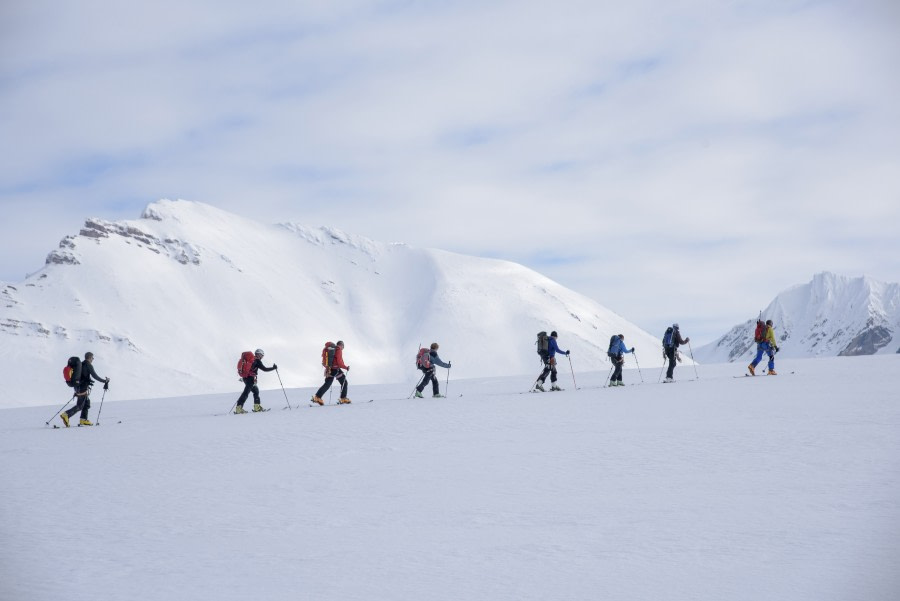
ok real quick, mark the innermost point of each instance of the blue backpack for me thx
(668, 338)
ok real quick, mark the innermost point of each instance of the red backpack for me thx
(760, 334)
(245, 363)
(423, 358)
(328, 354)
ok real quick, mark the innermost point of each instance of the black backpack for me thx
(543, 344)
(72, 371)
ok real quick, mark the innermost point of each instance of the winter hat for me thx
(553, 333)
(675, 326)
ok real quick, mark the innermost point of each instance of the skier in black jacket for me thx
(250, 383)
(83, 391)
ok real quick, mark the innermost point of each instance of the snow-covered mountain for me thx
(831, 315)
(168, 302)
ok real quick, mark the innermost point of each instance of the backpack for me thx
(669, 338)
(72, 371)
(543, 344)
(609, 352)
(245, 363)
(423, 359)
(761, 329)
(328, 354)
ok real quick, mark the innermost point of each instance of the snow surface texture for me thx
(168, 303)
(831, 315)
(719, 489)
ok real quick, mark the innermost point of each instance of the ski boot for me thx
(555, 387)
(239, 409)
(257, 408)
(772, 372)
(419, 395)
(85, 422)
(539, 386)
(751, 369)
(65, 418)
(668, 380)
(344, 401)
(437, 396)
(317, 400)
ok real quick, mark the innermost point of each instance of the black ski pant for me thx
(670, 354)
(82, 403)
(549, 368)
(336, 374)
(618, 362)
(429, 377)
(249, 386)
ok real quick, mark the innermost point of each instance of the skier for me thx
(767, 346)
(617, 350)
(83, 392)
(333, 372)
(550, 364)
(250, 383)
(426, 362)
(671, 341)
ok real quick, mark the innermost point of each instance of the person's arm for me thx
(260, 365)
(437, 360)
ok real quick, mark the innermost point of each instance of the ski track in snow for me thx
(772, 488)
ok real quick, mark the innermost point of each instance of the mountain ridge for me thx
(167, 303)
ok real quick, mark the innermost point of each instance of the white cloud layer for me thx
(676, 161)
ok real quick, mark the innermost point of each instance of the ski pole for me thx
(572, 370)
(47, 423)
(663, 368)
(447, 384)
(282, 388)
(100, 410)
(608, 376)
(417, 385)
(697, 375)
(638, 366)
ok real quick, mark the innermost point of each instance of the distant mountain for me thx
(168, 302)
(831, 315)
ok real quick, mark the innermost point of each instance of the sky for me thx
(675, 161)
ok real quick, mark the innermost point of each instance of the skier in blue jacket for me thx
(550, 364)
(617, 350)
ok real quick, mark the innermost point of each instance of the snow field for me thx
(766, 488)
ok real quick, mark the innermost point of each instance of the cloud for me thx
(674, 162)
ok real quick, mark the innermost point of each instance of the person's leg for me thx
(343, 380)
(248, 386)
(324, 388)
(670, 353)
(435, 389)
(85, 407)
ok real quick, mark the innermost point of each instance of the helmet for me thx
(260, 352)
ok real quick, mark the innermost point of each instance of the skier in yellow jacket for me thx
(768, 346)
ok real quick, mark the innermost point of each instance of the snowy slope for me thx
(720, 489)
(168, 302)
(831, 315)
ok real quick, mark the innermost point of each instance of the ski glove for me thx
(449, 363)
(106, 384)
(274, 366)
(567, 353)
(632, 350)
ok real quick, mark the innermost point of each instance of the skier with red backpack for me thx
(333, 362)
(764, 336)
(82, 378)
(247, 368)
(426, 360)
